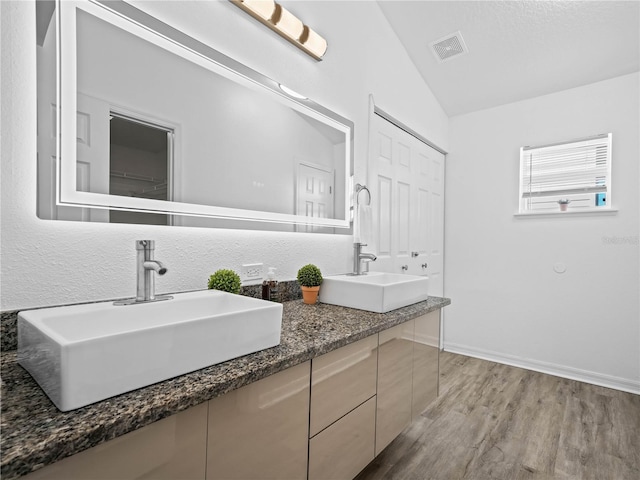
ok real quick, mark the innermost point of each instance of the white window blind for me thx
(576, 172)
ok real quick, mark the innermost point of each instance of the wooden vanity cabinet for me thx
(341, 380)
(342, 417)
(324, 419)
(261, 431)
(171, 448)
(344, 448)
(426, 350)
(395, 376)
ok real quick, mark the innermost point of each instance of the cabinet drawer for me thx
(341, 380)
(261, 431)
(346, 447)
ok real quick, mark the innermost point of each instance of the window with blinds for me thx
(568, 176)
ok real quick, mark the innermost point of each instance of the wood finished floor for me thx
(495, 422)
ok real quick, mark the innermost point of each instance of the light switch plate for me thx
(252, 272)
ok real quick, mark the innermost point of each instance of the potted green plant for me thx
(309, 278)
(225, 280)
(564, 203)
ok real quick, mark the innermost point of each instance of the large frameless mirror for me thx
(140, 123)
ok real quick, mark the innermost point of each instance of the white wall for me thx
(509, 304)
(52, 262)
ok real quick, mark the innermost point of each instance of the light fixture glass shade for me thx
(288, 23)
(313, 42)
(262, 8)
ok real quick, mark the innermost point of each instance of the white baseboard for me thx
(609, 381)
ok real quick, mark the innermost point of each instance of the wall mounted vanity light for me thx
(285, 24)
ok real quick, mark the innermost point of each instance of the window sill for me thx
(584, 212)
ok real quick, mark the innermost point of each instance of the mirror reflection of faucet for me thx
(146, 265)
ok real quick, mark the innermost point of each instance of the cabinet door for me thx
(261, 431)
(395, 365)
(174, 447)
(426, 352)
(341, 380)
(340, 451)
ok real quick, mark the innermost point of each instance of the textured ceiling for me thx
(518, 49)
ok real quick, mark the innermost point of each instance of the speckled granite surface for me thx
(35, 433)
(8, 331)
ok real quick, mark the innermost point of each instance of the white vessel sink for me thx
(375, 291)
(81, 354)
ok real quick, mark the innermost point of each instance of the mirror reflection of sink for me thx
(82, 354)
(376, 291)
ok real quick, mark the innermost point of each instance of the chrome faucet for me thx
(145, 289)
(359, 256)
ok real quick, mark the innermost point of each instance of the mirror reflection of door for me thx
(314, 195)
(140, 164)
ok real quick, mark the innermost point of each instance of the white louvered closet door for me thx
(406, 178)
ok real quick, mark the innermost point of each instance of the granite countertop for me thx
(35, 433)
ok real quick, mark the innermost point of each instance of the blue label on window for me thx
(601, 199)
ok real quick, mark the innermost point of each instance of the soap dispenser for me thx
(265, 290)
(274, 292)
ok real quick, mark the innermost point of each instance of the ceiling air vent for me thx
(449, 47)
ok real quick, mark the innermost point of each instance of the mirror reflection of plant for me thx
(225, 280)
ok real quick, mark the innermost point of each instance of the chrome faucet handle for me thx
(145, 244)
(405, 267)
(425, 265)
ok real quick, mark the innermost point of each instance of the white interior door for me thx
(435, 221)
(406, 178)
